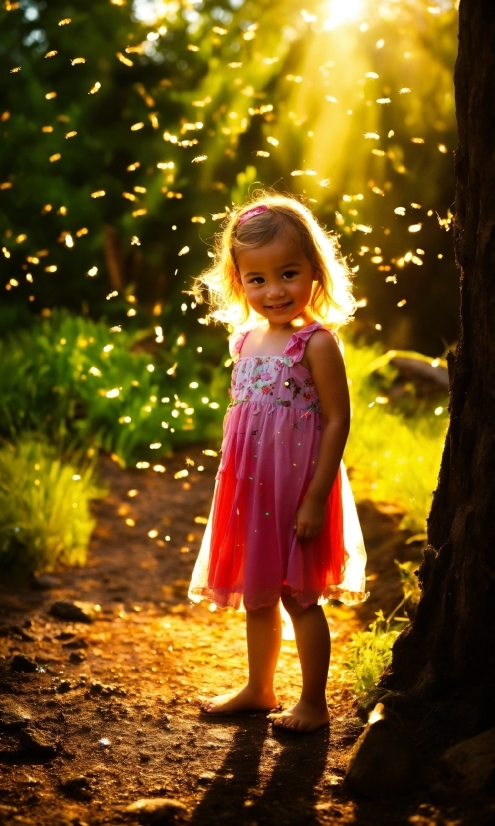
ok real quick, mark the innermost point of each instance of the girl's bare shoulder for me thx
(323, 344)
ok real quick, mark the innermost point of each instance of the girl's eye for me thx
(257, 280)
(289, 274)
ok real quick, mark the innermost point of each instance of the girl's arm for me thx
(326, 364)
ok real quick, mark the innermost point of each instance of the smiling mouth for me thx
(278, 306)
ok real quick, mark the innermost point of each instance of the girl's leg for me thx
(313, 646)
(264, 635)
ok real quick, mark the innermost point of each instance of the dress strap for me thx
(298, 340)
(236, 341)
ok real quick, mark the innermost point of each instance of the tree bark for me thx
(449, 649)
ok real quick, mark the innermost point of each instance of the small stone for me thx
(73, 611)
(384, 760)
(77, 657)
(37, 743)
(45, 582)
(20, 633)
(206, 777)
(468, 768)
(64, 686)
(144, 756)
(98, 689)
(75, 644)
(76, 785)
(20, 662)
(13, 717)
(157, 810)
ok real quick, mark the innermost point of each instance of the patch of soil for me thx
(96, 715)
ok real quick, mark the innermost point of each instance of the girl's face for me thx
(278, 280)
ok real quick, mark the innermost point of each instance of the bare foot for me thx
(240, 701)
(303, 717)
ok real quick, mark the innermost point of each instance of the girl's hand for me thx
(309, 518)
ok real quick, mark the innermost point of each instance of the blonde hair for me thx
(331, 301)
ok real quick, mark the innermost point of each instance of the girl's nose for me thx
(275, 290)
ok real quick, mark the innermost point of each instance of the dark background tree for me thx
(449, 651)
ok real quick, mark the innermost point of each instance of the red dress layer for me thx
(250, 554)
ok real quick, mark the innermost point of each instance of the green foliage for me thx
(44, 509)
(391, 457)
(370, 651)
(409, 580)
(80, 385)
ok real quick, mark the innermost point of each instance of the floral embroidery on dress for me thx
(258, 378)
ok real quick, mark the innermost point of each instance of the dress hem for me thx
(235, 600)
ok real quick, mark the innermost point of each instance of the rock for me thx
(13, 717)
(75, 644)
(384, 760)
(98, 689)
(157, 810)
(45, 582)
(37, 742)
(73, 611)
(206, 777)
(77, 657)
(64, 686)
(77, 786)
(20, 633)
(20, 662)
(467, 768)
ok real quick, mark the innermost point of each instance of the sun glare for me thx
(343, 11)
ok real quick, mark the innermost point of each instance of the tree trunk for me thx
(449, 650)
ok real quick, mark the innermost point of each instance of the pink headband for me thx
(257, 210)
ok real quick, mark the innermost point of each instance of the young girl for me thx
(283, 524)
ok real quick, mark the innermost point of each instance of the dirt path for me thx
(114, 704)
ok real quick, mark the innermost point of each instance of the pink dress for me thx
(250, 553)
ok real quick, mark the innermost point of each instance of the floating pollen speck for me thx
(77, 60)
(125, 60)
(15, 70)
(199, 159)
(52, 53)
(65, 21)
(94, 89)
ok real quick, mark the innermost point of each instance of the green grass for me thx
(44, 509)
(72, 380)
(370, 651)
(393, 452)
